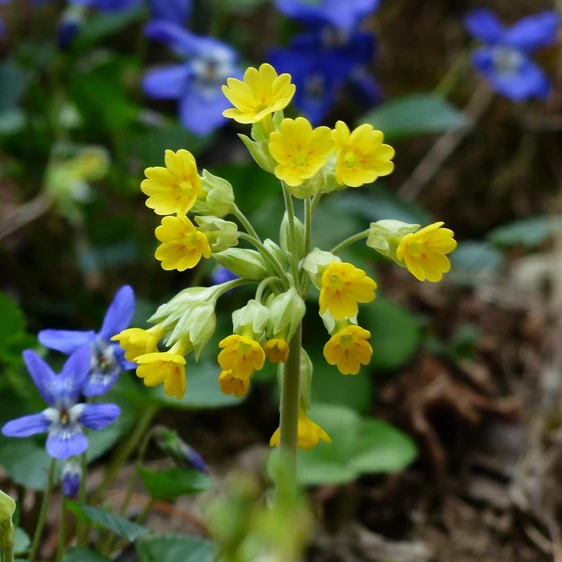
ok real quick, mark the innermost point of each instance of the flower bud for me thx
(276, 252)
(284, 237)
(385, 236)
(260, 153)
(315, 264)
(251, 320)
(217, 196)
(247, 264)
(175, 447)
(197, 324)
(286, 312)
(220, 234)
(71, 477)
(305, 379)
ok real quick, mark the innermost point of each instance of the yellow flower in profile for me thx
(423, 252)
(182, 244)
(299, 150)
(261, 93)
(348, 349)
(136, 341)
(277, 350)
(166, 367)
(308, 433)
(232, 385)
(343, 286)
(241, 356)
(175, 188)
(361, 155)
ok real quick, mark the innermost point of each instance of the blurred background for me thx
(466, 375)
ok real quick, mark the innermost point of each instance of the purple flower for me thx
(107, 357)
(175, 11)
(222, 275)
(342, 14)
(173, 445)
(64, 419)
(71, 476)
(195, 83)
(504, 59)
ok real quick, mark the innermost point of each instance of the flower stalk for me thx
(43, 512)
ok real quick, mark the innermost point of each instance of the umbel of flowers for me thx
(310, 163)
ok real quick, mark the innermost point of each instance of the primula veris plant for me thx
(310, 163)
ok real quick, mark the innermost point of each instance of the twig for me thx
(25, 214)
(446, 145)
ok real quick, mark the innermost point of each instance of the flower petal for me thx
(65, 341)
(42, 375)
(533, 32)
(68, 386)
(98, 416)
(66, 442)
(27, 425)
(202, 114)
(119, 314)
(484, 25)
(168, 82)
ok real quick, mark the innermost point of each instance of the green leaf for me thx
(12, 320)
(26, 462)
(530, 232)
(330, 226)
(176, 548)
(11, 121)
(379, 203)
(170, 483)
(12, 85)
(395, 334)
(82, 554)
(415, 114)
(23, 542)
(119, 525)
(475, 262)
(101, 25)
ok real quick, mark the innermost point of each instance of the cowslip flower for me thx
(424, 252)
(182, 246)
(361, 155)
(308, 433)
(343, 286)
(258, 95)
(107, 358)
(175, 188)
(136, 341)
(233, 385)
(504, 61)
(166, 367)
(348, 349)
(241, 356)
(277, 350)
(196, 82)
(64, 419)
(299, 150)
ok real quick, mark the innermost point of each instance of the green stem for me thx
(123, 452)
(43, 512)
(315, 201)
(348, 241)
(225, 287)
(245, 222)
(286, 482)
(261, 287)
(454, 74)
(268, 256)
(81, 526)
(292, 235)
(62, 531)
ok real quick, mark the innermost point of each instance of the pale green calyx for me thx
(220, 234)
(197, 324)
(7, 533)
(247, 264)
(310, 187)
(316, 263)
(284, 236)
(251, 320)
(276, 253)
(332, 325)
(217, 196)
(259, 151)
(286, 313)
(385, 236)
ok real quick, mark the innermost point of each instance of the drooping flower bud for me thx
(286, 312)
(247, 264)
(220, 234)
(71, 477)
(251, 320)
(175, 447)
(216, 197)
(284, 236)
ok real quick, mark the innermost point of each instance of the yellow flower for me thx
(241, 355)
(361, 155)
(308, 433)
(299, 150)
(348, 349)
(167, 367)
(260, 94)
(136, 341)
(182, 244)
(343, 286)
(424, 251)
(175, 188)
(233, 385)
(277, 350)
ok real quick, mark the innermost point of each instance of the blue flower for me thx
(107, 357)
(177, 11)
(109, 6)
(504, 60)
(71, 477)
(222, 275)
(342, 14)
(322, 62)
(65, 419)
(196, 83)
